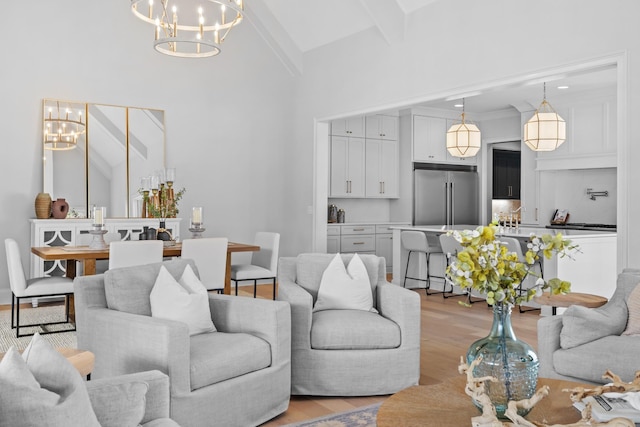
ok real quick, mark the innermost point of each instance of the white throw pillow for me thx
(42, 388)
(345, 288)
(185, 301)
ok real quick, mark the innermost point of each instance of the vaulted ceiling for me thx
(293, 27)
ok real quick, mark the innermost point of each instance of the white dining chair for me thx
(264, 263)
(127, 253)
(39, 287)
(210, 256)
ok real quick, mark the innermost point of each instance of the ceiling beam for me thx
(388, 17)
(274, 35)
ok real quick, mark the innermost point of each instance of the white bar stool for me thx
(514, 245)
(416, 241)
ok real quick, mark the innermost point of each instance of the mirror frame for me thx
(47, 187)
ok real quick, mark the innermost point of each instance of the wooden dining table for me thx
(88, 257)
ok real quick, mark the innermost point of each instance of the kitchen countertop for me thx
(399, 223)
(521, 232)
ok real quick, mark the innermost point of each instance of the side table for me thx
(82, 360)
(447, 405)
(572, 298)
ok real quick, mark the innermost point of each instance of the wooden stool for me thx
(82, 360)
(572, 298)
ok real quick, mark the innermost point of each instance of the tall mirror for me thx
(103, 167)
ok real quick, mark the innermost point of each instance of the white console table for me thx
(64, 232)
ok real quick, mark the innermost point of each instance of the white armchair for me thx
(350, 352)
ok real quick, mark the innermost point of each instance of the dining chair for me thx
(210, 256)
(127, 253)
(264, 263)
(40, 287)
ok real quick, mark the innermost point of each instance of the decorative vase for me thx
(163, 234)
(43, 206)
(60, 209)
(512, 361)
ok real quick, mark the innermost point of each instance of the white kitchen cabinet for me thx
(591, 140)
(381, 168)
(333, 239)
(380, 126)
(347, 177)
(430, 141)
(351, 126)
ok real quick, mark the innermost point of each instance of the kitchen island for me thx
(591, 269)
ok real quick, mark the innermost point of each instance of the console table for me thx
(66, 232)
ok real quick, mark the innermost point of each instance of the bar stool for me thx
(416, 241)
(450, 247)
(514, 245)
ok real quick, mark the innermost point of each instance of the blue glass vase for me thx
(512, 361)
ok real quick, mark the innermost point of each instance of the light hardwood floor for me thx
(447, 330)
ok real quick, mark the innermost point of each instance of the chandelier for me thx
(62, 125)
(546, 130)
(200, 30)
(463, 139)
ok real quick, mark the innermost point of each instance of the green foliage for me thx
(166, 210)
(486, 265)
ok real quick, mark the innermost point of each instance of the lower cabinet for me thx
(363, 238)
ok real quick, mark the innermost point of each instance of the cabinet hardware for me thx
(358, 243)
(358, 229)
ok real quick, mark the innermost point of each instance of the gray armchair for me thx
(350, 352)
(238, 376)
(583, 343)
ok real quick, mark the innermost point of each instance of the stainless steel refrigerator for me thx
(445, 195)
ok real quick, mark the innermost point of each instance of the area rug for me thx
(360, 417)
(36, 315)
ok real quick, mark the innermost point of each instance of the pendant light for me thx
(546, 130)
(463, 139)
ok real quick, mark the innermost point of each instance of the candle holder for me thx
(196, 231)
(98, 237)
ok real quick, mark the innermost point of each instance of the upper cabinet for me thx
(380, 126)
(364, 167)
(591, 136)
(352, 126)
(430, 141)
(381, 168)
(347, 167)
(506, 174)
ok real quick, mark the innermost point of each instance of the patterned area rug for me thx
(360, 417)
(35, 315)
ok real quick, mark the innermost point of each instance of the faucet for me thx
(511, 218)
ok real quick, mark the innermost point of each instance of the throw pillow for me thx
(345, 288)
(633, 305)
(184, 301)
(581, 325)
(42, 388)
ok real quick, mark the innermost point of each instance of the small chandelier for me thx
(463, 139)
(546, 130)
(202, 27)
(62, 125)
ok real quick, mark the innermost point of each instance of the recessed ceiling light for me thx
(458, 105)
(563, 87)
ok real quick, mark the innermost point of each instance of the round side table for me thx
(572, 298)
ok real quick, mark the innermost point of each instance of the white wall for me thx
(228, 118)
(500, 40)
